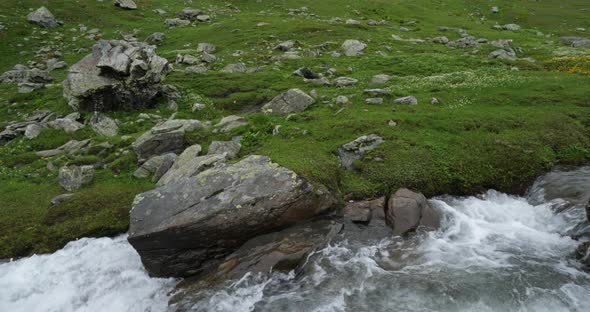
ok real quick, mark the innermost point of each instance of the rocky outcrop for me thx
(406, 211)
(42, 17)
(118, 75)
(72, 178)
(164, 138)
(188, 227)
(292, 101)
(357, 149)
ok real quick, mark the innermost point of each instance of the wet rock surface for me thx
(407, 210)
(188, 227)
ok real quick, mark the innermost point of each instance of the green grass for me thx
(494, 127)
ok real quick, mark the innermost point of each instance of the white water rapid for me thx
(494, 252)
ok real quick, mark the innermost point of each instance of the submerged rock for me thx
(357, 149)
(187, 228)
(72, 178)
(406, 211)
(292, 101)
(118, 75)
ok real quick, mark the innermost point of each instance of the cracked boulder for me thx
(188, 227)
(118, 75)
(357, 149)
(292, 101)
(406, 211)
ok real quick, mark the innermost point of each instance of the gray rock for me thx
(156, 38)
(341, 99)
(584, 43)
(380, 79)
(189, 165)
(42, 17)
(33, 130)
(511, 27)
(235, 68)
(502, 43)
(408, 100)
(306, 73)
(21, 74)
(353, 47)
(495, 9)
(154, 164)
(357, 149)
(72, 178)
(198, 107)
(197, 69)
(463, 43)
(365, 211)
(71, 147)
(203, 18)
(434, 101)
(185, 228)
(103, 125)
(285, 46)
(377, 92)
(569, 40)
(292, 101)
(229, 149)
(208, 58)
(176, 22)
(406, 211)
(440, 40)
(66, 124)
(28, 87)
(164, 138)
(374, 101)
(118, 75)
(503, 54)
(189, 13)
(62, 198)
(281, 251)
(231, 122)
(206, 47)
(126, 4)
(344, 82)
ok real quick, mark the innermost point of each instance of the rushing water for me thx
(494, 252)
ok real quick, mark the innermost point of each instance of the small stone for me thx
(392, 123)
(434, 101)
(380, 79)
(374, 101)
(72, 178)
(126, 4)
(341, 99)
(408, 100)
(353, 47)
(198, 107)
(344, 82)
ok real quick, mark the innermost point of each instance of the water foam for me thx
(87, 275)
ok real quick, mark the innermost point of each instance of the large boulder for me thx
(72, 178)
(186, 228)
(357, 149)
(407, 210)
(42, 17)
(164, 138)
(118, 75)
(292, 101)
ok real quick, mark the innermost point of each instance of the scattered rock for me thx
(235, 68)
(503, 54)
(306, 73)
(231, 122)
(66, 124)
(408, 100)
(205, 47)
(366, 210)
(377, 92)
(353, 47)
(229, 149)
(186, 228)
(164, 138)
(176, 22)
(344, 82)
(463, 43)
(189, 13)
(511, 27)
(126, 4)
(380, 79)
(156, 38)
(118, 75)
(71, 147)
(62, 198)
(72, 178)
(434, 101)
(198, 107)
(285, 46)
(103, 125)
(33, 130)
(495, 9)
(406, 211)
(374, 101)
(158, 164)
(292, 101)
(357, 149)
(440, 40)
(341, 99)
(42, 17)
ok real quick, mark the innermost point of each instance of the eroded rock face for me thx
(118, 75)
(292, 101)
(357, 149)
(42, 17)
(186, 228)
(406, 211)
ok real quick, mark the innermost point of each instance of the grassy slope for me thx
(495, 128)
